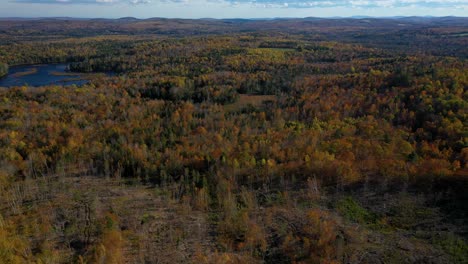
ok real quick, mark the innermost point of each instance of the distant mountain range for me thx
(235, 19)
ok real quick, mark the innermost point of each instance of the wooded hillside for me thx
(311, 142)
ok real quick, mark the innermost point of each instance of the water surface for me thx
(40, 75)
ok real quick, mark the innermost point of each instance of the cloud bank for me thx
(359, 3)
(458, 4)
(86, 2)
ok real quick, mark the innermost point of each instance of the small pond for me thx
(42, 74)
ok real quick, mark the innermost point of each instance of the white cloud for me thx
(81, 2)
(357, 4)
(137, 2)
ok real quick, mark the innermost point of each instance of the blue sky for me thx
(230, 8)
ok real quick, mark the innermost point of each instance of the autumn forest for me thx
(236, 141)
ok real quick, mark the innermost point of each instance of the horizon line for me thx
(240, 18)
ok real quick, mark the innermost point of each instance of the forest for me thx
(237, 141)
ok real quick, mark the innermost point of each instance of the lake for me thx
(40, 75)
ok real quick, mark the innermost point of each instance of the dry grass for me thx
(28, 72)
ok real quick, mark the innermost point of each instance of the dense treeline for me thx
(439, 36)
(261, 148)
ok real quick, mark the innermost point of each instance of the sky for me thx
(230, 8)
